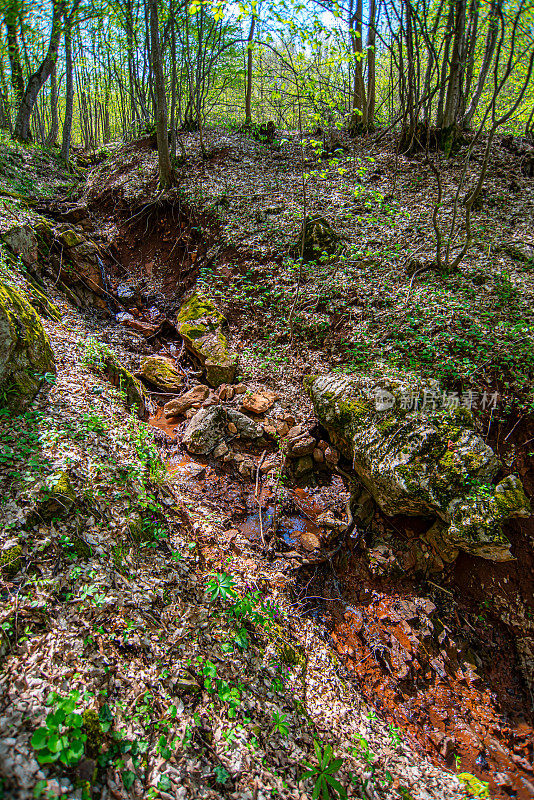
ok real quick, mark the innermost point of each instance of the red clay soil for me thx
(450, 670)
(439, 658)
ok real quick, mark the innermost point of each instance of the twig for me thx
(257, 497)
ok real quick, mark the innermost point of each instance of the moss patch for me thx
(200, 324)
(11, 560)
(25, 352)
(161, 372)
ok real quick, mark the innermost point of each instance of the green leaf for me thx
(74, 720)
(335, 765)
(128, 778)
(39, 788)
(336, 785)
(77, 748)
(53, 743)
(40, 738)
(46, 757)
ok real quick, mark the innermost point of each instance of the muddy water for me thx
(432, 657)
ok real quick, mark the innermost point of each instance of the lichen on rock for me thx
(427, 462)
(102, 359)
(162, 373)
(200, 324)
(25, 352)
(11, 559)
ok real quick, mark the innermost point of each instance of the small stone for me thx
(331, 455)
(269, 430)
(142, 327)
(282, 428)
(240, 389)
(503, 780)
(293, 432)
(244, 468)
(303, 466)
(290, 419)
(309, 541)
(185, 685)
(232, 428)
(259, 402)
(318, 455)
(124, 318)
(221, 450)
(196, 470)
(303, 445)
(178, 406)
(127, 294)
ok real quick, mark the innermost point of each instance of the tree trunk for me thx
(489, 49)
(11, 21)
(452, 103)
(51, 139)
(248, 93)
(371, 66)
(359, 107)
(39, 78)
(160, 101)
(69, 93)
(5, 118)
(445, 66)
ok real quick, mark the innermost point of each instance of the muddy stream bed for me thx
(440, 655)
(432, 655)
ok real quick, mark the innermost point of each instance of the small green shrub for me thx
(325, 785)
(61, 739)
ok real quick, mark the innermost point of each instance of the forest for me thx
(266, 399)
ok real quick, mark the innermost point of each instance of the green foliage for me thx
(221, 775)
(220, 584)
(279, 723)
(61, 739)
(95, 354)
(325, 785)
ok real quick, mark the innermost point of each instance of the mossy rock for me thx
(317, 238)
(420, 462)
(200, 324)
(59, 500)
(11, 560)
(161, 372)
(102, 359)
(41, 303)
(95, 737)
(71, 238)
(25, 352)
(120, 377)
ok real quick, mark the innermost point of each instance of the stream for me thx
(432, 653)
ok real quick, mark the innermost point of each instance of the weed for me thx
(279, 724)
(325, 785)
(62, 738)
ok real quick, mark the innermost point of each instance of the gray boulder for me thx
(427, 462)
(209, 427)
(25, 351)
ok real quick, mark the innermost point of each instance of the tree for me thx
(37, 80)
(160, 99)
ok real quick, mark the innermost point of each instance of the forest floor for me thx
(199, 697)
